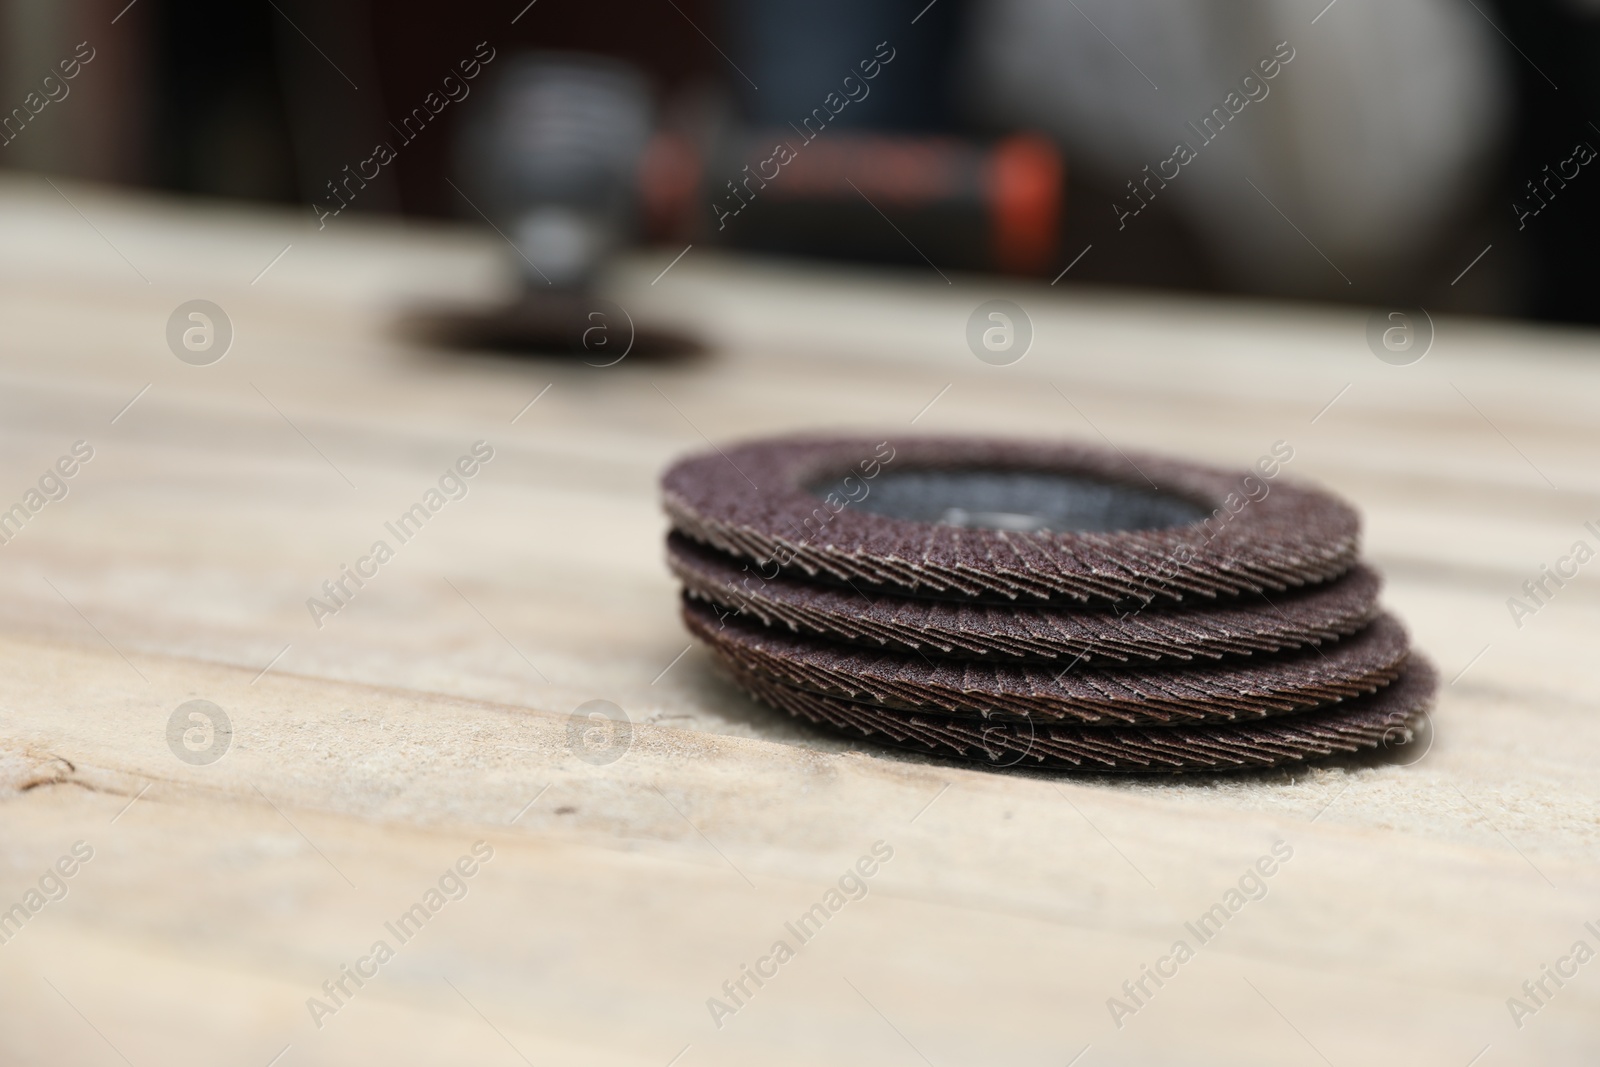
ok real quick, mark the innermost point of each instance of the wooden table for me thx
(431, 712)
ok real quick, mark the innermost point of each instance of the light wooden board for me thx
(432, 712)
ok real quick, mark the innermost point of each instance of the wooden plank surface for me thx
(432, 712)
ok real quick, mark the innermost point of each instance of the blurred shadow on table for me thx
(567, 326)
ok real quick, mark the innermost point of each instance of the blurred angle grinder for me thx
(551, 161)
(568, 162)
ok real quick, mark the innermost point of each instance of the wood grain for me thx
(432, 712)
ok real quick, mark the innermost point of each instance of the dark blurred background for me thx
(1400, 141)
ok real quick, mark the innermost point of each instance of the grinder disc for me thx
(1388, 717)
(963, 518)
(1248, 689)
(968, 630)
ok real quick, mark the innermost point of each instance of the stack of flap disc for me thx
(1042, 604)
